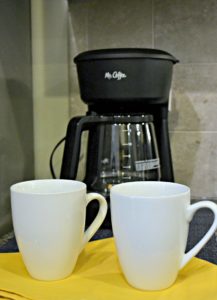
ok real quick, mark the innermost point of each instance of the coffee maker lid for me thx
(124, 53)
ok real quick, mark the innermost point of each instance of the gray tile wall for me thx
(16, 118)
(187, 29)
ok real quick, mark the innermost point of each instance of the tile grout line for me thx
(193, 131)
(197, 63)
(153, 34)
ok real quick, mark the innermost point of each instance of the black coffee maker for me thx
(127, 93)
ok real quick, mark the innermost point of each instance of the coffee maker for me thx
(127, 94)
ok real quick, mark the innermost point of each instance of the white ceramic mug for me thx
(49, 219)
(150, 223)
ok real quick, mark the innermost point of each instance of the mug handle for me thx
(94, 226)
(190, 212)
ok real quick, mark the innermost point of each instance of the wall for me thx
(49, 23)
(16, 113)
(185, 28)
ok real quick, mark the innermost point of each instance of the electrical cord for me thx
(51, 157)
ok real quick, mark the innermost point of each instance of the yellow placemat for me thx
(98, 277)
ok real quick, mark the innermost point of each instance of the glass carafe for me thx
(127, 152)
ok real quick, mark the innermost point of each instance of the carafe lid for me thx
(125, 53)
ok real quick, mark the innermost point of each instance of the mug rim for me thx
(183, 189)
(24, 187)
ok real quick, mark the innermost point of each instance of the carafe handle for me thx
(72, 147)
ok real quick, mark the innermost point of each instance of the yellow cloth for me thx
(98, 276)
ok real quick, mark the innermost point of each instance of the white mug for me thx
(150, 223)
(49, 220)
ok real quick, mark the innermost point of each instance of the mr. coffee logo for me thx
(118, 75)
